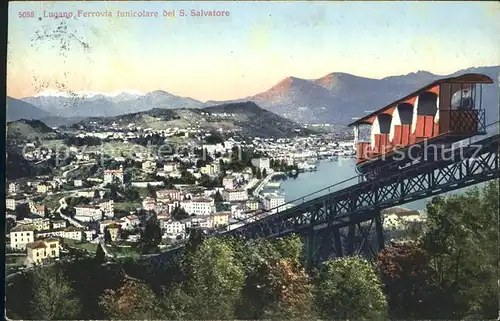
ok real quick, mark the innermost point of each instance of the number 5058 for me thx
(27, 14)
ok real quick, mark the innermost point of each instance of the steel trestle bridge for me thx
(341, 222)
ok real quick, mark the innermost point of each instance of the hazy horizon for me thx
(53, 92)
(258, 45)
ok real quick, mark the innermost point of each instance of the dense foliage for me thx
(449, 272)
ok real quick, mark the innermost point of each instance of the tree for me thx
(179, 213)
(151, 235)
(458, 228)
(46, 212)
(22, 211)
(213, 139)
(53, 297)
(100, 256)
(276, 285)
(218, 197)
(215, 276)
(279, 290)
(113, 192)
(406, 276)
(131, 194)
(107, 235)
(208, 182)
(176, 303)
(195, 240)
(349, 288)
(9, 224)
(134, 300)
(83, 237)
(151, 191)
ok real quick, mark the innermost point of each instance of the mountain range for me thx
(246, 118)
(334, 98)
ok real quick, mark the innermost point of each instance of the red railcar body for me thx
(442, 112)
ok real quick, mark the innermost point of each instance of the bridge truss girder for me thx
(324, 220)
(363, 202)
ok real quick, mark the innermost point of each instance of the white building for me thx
(200, 206)
(271, 201)
(37, 223)
(21, 235)
(43, 188)
(110, 175)
(144, 184)
(229, 182)
(90, 193)
(37, 209)
(108, 208)
(14, 188)
(169, 194)
(210, 169)
(71, 232)
(88, 213)
(149, 166)
(78, 183)
(170, 167)
(235, 195)
(129, 222)
(261, 163)
(41, 251)
(174, 227)
(149, 204)
(58, 224)
(12, 202)
(103, 224)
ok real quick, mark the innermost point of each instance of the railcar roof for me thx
(465, 78)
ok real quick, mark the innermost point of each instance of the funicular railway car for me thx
(439, 114)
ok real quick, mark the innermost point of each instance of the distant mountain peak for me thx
(331, 80)
(158, 92)
(286, 84)
(421, 73)
(86, 93)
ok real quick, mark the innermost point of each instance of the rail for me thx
(302, 200)
(490, 130)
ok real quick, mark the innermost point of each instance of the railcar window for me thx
(427, 104)
(462, 99)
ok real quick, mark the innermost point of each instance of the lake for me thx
(340, 173)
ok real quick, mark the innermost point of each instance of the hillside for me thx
(29, 129)
(333, 98)
(338, 97)
(245, 118)
(18, 109)
(255, 121)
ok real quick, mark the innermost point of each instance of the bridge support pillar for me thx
(310, 261)
(379, 230)
(350, 239)
(337, 242)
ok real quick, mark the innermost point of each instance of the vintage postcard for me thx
(242, 160)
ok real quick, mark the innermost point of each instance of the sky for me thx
(247, 52)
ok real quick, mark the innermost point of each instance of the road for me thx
(252, 183)
(65, 173)
(262, 184)
(62, 204)
(105, 249)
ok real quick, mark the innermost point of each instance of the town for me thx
(107, 197)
